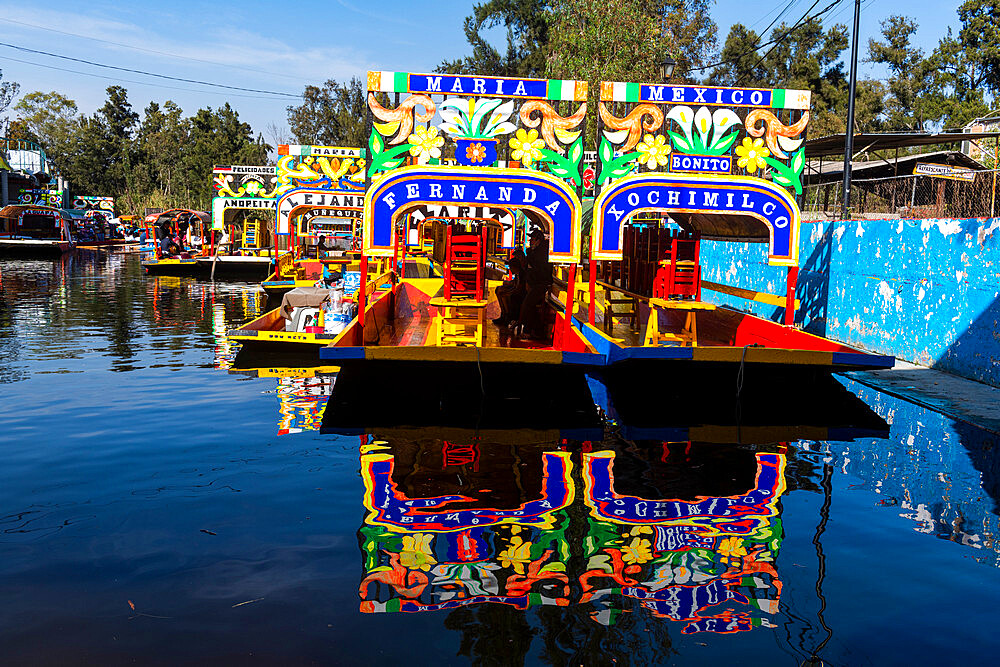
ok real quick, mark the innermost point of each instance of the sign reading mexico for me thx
(737, 198)
(544, 197)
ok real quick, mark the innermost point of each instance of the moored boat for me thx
(34, 231)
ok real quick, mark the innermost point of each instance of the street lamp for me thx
(667, 68)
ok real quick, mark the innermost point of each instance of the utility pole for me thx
(849, 135)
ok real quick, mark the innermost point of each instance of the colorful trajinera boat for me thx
(176, 226)
(445, 317)
(667, 181)
(34, 230)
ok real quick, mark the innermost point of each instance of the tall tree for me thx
(55, 120)
(217, 137)
(8, 91)
(909, 73)
(333, 115)
(527, 39)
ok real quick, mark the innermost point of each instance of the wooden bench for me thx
(688, 335)
(459, 321)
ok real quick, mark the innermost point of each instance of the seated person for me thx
(538, 277)
(511, 293)
(323, 247)
(169, 247)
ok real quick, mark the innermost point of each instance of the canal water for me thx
(156, 507)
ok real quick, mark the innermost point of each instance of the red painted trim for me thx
(793, 279)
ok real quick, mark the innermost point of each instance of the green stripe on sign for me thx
(553, 89)
(400, 82)
(778, 99)
(632, 92)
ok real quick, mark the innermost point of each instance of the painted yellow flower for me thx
(416, 552)
(653, 151)
(476, 153)
(517, 555)
(639, 530)
(637, 551)
(426, 143)
(732, 548)
(527, 146)
(752, 154)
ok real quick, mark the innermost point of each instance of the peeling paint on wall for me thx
(926, 291)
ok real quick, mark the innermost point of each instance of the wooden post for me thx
(793, 279)
(362, 298)
(570, 294)
(592, 314)
(996, 165)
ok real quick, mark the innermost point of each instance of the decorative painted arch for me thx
(741, 514)
(220, 205)
(334, 203)
(720, 207)
(547, 199)
(388, 506)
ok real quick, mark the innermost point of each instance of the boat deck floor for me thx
(414, 332)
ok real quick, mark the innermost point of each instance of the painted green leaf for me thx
(607, 152)
(576, 151)
(375, 143)
(798, 161)
(722, 146)
(680, 143)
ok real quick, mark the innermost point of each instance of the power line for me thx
(153, 74)
(757, 46)
(141, 83)
(139, 48)
(798, 24)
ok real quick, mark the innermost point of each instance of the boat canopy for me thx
(176, 215)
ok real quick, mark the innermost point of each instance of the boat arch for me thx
(544, 198)
(730, 208)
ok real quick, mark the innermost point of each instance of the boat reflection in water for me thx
(452, 523)
(685, 533)
(302, 394)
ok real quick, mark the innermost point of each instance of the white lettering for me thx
(678, 95)
(390, 200)
(653, 201)
(700, 94)
(551, 208)
(615, 212)
(746, 201)
(458, 192)
(436, 190)
(766, 210)
(729, 200)
(656, 93)
(781, 222)
(756, 97)
(434, 84)
(711, 199)
(481, 195)
(500, 86)
(633, 199)
(505, 193)
(718, 95)
(457, 86)
(529, 196)
(479, 86)
(412, 190)
(740, 100)
(673, 198)
(691, 194)
(520, 90)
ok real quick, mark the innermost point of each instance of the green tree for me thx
(8, 91)
(333, 115)
(909, 73)
(54, 119)
(162, 137)
(216, 137)
(527, 37)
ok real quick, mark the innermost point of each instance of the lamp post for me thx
(667, 68)
(849, 134)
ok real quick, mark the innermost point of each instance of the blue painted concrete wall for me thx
(926, 291)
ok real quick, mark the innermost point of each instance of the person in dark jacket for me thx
(511, 293)
(538, 278)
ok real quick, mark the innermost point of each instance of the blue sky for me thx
(251, 45)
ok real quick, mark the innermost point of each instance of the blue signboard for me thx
(404, 190)
(705, 194)
(713, 164)
(705, 95)
(478, 85)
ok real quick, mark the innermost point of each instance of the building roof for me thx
(833, 170)
(880, 141)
